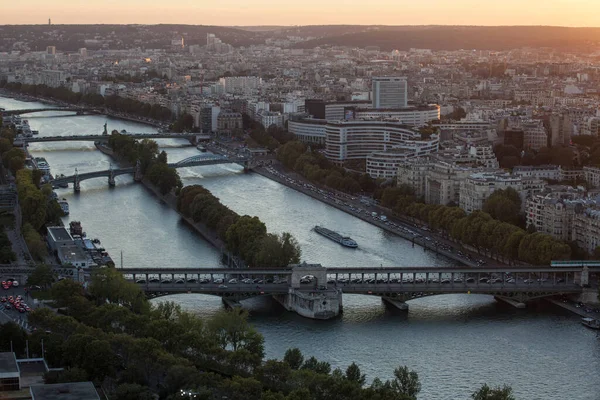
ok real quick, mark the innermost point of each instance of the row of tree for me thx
(6, 254)
(112, 336)
(315, 167)
(245, 236)
(153, 164)
(510, 156)
(113, 102)
(496, 237)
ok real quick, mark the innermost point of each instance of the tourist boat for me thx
(42, 165)
(34, 132)
(336, 237)
(64, 206)
(591, 323)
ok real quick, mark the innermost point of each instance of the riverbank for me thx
(171, 200)
(420, 241)
(127, 117)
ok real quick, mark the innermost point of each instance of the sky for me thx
(304, 12)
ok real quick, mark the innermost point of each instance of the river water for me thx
(455, 342)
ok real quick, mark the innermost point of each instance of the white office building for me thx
(389, 92)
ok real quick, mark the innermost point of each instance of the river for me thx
(455, 342)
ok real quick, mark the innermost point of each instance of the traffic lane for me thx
(13, 313)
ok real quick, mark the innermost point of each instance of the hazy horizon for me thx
(560, 13)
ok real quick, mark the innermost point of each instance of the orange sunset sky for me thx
(304, 12)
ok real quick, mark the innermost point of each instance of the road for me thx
(352, 205)
(12, 314)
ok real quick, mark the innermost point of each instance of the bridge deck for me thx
(359, 271)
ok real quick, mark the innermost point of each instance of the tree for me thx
(486, 393)
(108, 284)
(133, 391)
(406, 382)
(504, 205)
(353, 374)
(232, 331)
(12, 338)
(64, 291)
(294, 358)
(42, 276)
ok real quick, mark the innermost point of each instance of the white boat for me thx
(201, 148)
(591, 323)
(64, 206)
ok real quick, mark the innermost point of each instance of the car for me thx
(321, 287)
(140, 281)
(27, 308)
(7, 307)
(305, 281)
(3, 299)
(21, 309)
(166, 280)
(15, 283)
(528, 281)
(445, 281)
(219, 280)
(470, 280)
(193, 280)
(458, 280)
(247, 280)
(233, 281)
(180, 281)
(484, 280)
(222, 287)
(5, 287)
(153, 280)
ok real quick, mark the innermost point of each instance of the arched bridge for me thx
(98, 138)
(199, 160)
(297, 288)
(78, 110)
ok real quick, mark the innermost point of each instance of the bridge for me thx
(316, 292)
(199, 160)
(78, 110)
(192, 137)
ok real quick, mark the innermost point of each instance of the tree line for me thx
(493, 233)
(153, 163)
(111, 335)
(113, 102)
(316, 168)
(245, 236)
(38, 207)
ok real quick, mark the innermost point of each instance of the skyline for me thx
(567, 13)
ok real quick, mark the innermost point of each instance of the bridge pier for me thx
(512, 302)
(76, 186)
(137, 174)
(399, 304)
(231, 303)
(111, 179)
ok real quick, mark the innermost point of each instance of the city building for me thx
(592, 176)
(479, 186)
(229, 123)
(389, 92)
(547, 172)
(353, 140)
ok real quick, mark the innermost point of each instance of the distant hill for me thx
(448, 37)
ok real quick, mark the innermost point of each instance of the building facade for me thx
(389, 92)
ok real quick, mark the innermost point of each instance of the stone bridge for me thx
(78, 110)
(199, 160)
(192, 137)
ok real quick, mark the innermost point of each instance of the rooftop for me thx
(8, 363)
(59, 234)
(65, 391)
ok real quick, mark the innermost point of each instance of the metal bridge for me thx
(78, 110)
(515, 285)
(199, 160)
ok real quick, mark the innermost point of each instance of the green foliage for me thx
(406, 382)
(65, 376)
(185, 123)
(6, 253)
(34, 242)
(108, 285)
(294, 358)
(42, 276)
(316, 168)
(244, 236)
(504, 205)
(153, 164)
(10, 332)
(353, 374)
(14, 160)
(498, 393)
